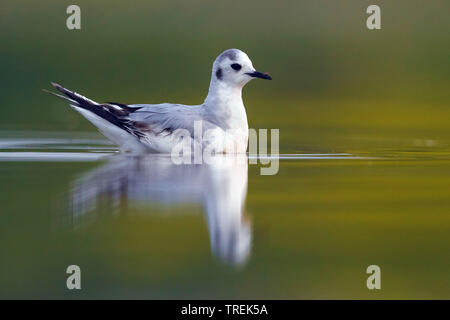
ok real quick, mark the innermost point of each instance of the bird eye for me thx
(236, 66)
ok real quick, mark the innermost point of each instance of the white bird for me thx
(159, 128)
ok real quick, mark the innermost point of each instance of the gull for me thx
(158, 128)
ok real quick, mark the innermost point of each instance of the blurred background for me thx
(338, 88)
(333, 78)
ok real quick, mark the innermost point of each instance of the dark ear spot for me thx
(219, 74)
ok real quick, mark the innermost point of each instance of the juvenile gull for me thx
(159, 127)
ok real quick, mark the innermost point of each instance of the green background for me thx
(337, 87)
(332, 76)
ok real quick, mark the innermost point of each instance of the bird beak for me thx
(257, 74)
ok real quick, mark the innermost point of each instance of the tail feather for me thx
(73, 95)
(114, 113)
(60, 96)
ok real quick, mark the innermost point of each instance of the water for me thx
(364, 124)
(142, 227)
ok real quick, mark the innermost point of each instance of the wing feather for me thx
(165, 117)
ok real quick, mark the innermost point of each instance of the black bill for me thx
(257, 74)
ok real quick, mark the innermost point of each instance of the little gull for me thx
(221, 118)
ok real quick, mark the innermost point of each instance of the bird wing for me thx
(165, 117)
(137, 119)
(142, 121)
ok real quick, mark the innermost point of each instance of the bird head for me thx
(234, 68)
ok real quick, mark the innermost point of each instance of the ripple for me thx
(51, 156)
(63, 147)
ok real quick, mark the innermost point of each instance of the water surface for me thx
(142, 227)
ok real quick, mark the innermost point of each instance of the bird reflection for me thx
(219, 186)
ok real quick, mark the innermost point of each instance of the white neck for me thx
(224, 104)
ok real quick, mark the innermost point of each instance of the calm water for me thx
(142, 227)
(364, 175)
